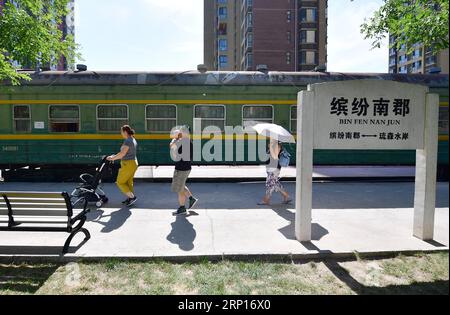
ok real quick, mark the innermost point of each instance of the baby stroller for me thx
(90, 188)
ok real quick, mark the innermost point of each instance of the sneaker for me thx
(125, 202)
(181, 211)
(192, 202)
(131, 202)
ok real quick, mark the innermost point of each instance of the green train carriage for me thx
(60, 120)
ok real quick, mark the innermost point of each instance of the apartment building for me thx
(284, 35)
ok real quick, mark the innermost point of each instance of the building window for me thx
(308, 57)
(294, 119)
(259, 113)
(249, 20)
(64, 118)
(308, 37)
(392, 61)
(308, 15)
(289, 16)
(250, 40)
(417, 53)
(211, 115)
(223, 61)
(249, 60)
(223, 45)
(418, 65)
(22, 118)
(223, 13)
(443, 120)
(110, 118)
(222, 29)
(160, 118)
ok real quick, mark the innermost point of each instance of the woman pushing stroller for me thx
(128, 165)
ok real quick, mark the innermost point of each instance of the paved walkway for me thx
(348, 217)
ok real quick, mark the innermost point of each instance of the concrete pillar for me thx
(426, 168)
(303, 206)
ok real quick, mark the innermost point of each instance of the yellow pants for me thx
(126, 176)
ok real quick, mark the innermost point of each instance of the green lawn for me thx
(418, 274)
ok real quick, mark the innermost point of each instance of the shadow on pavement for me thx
(183, 233)
(317, 231)
(116, 219)
(38, 250)
(435, 243)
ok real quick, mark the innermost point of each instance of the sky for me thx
(167, 35)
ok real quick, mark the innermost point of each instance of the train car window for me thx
(211, 115)
(443, 120)
(110, 118)
(22, 118)
(259, 113)
(64, 118)
(294, 119)
(160, 118)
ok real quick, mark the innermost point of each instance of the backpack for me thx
(284, 158)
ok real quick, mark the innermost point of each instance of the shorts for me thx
(179, 180)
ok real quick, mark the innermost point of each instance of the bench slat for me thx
(28, 205)
(36, 212)
(31, 194)
(34, 200)
(44, 220)
(34, 229)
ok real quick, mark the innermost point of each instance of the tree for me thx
(410, 22)
(30, 35)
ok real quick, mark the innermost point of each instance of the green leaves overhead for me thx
(410, 22)
(30, 35)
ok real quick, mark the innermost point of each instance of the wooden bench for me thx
(42, 212)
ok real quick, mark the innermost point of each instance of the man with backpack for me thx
(279, 158)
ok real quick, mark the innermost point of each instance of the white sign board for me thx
(371, 114)
(368, 115)
(39, 125)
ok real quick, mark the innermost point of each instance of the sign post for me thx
(368, 115)
(426, 166)
(304, 168)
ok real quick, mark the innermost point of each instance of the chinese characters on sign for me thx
(365, 117)
(360, 107)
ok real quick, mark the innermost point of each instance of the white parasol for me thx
(275, 132)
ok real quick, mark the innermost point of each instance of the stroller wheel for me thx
(98, 204)
(105, 199)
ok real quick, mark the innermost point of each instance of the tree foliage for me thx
(30, 35)
(410, 22)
